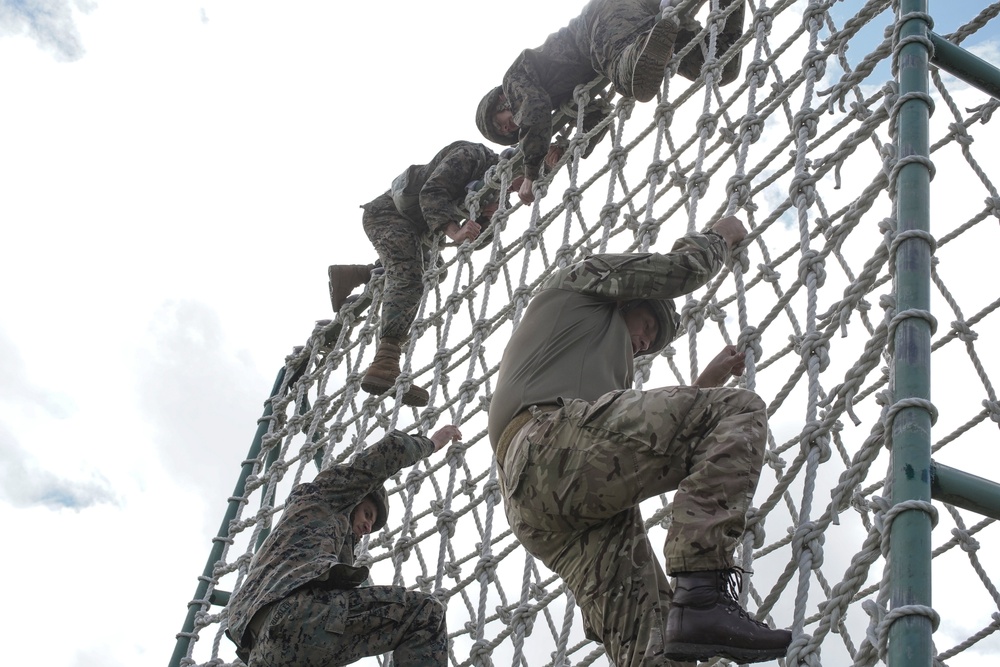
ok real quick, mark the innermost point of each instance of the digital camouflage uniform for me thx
(399, 223)
(595, 43)
(315, 609)
(591, 448)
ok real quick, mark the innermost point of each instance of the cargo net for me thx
(802, 148)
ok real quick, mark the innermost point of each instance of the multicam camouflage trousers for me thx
(572, 481)
(404, 254)
(326, 628)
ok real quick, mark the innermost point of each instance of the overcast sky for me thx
(175, 178)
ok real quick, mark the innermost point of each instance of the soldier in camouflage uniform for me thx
(306, 604)
(578, 450)
(623, 40)
(424, 201)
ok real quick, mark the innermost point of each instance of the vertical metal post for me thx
(910, 642)
(198, 601)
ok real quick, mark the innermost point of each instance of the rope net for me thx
(802, 149)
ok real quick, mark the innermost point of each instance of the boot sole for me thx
(687, 652)
(376, 385)
(647, 74)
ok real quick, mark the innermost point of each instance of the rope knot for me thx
(707, 122)
(446, 522)
(815, 436)
(487, 567)
(693, 312)
(810, 538)
(960, 134)
(740, 187)
(749, 339)
(572, 198)
(964, 331)
(808, 120)
(812, 266)
(968, 543)
(993, 407)
(656, 171)
(697, 183)
(768, 274)
(757, 69)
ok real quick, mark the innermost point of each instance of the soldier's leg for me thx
(594, 460)
(320, 628)
(629, 46)
(729, 32)
(624, 595)
(400, 247)
(404, 256)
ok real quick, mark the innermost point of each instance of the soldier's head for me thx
(651, 324)
(495, 119)
(370, 514)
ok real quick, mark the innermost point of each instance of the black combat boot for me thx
(706, 620)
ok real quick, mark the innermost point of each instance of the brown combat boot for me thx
(384, 370)
(343, 279)
(706, 620)
(651, 51)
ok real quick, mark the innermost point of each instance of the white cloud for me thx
(197, 394)
(23, 483)
(49, 22)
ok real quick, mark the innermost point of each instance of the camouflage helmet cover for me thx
(381, 500)
(485, 119)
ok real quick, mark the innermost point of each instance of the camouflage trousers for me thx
(572, 480)
(404, 254)
(326, 628)
(611, 27)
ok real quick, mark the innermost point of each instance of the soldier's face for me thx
(505, 122)
(642, 328)
(363, 517)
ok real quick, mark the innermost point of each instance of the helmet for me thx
(666, 320)
(381, 500)
(484, 119)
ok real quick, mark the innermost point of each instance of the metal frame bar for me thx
(969, 68)
(910, 643)
(199, 602)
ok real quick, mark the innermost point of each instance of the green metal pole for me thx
(910, 642)
(969, 68)
(198, 601)
(965, 490)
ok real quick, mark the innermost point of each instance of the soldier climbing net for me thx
(804, 148)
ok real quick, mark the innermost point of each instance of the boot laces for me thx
(731, 583)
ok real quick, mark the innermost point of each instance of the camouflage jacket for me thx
(572, 341)
(432, 195)
(313, 543)
(541, 79)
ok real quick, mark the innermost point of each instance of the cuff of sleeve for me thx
(727, 256)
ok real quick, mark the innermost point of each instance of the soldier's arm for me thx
(594, 114)
(532, 107)
(691, 263)
(444, 189)
(347, 484)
